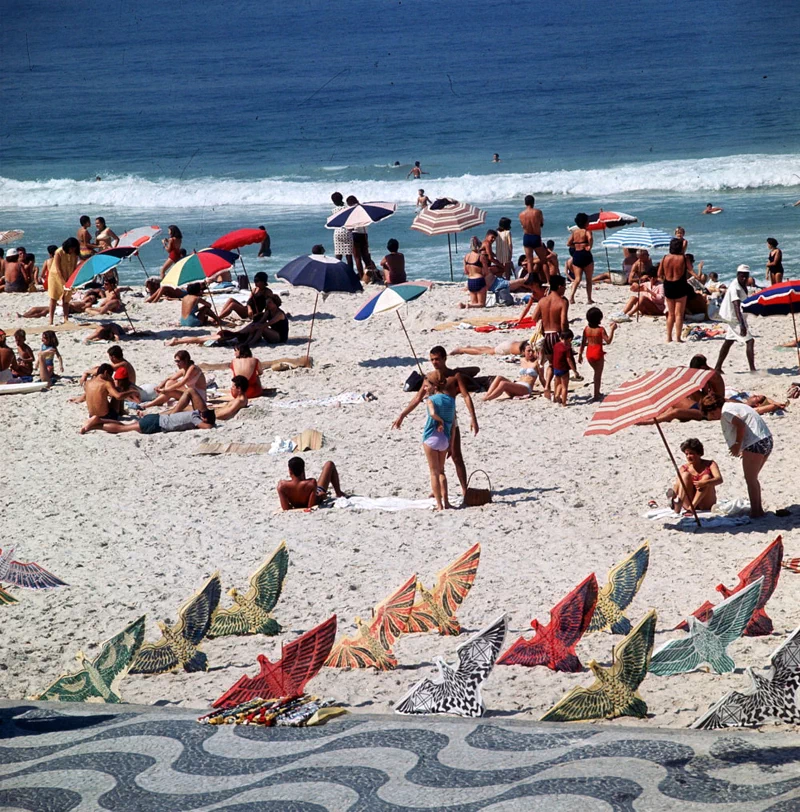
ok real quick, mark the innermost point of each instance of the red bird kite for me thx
(766, 565)
(300, 661)
(553, 645)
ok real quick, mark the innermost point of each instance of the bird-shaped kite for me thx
(708, 643)
(251, 614)
(178, 645)
(553, 645)
(766, 565)
(99, 678)
(372, 645)
(26, 574)
(615, 597)
(436, 610)
(300, 661)
(5, 598)
(769, 697)
(615, 690)
(458, 690)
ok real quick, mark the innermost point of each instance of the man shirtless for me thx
(225, 406)
(87, 247)
(532, 221)
(8, 361)
(100, 394)
(301, 492)
(553, 312)
(454, 385)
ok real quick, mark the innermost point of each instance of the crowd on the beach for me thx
(673, 287)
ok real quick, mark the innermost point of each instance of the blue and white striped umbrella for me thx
(636, 237)
(361, 215)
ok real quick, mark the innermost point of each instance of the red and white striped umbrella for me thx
(646, 397)
(449, 219)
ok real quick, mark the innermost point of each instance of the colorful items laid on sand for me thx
(766, 565)
(553, 645)
(99, 679)
(178, 645)
(615, 690)
(303, 711)
(436, 610)
(615, 597)
(371, 647)
(251, 612)
(300, 661)
(708, 643)
(25, 574)
(458, 690)
(773, 696)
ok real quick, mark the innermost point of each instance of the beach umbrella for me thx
(135, 239)
(198, 266)
(448, 217)
(12, 235)
(120, 251)
(644, 398)
(391, 299)
(325, 275)
(234, 240)
(96, 265)
(777, 300)
(601, 220)
(361, 215)
(638, 237)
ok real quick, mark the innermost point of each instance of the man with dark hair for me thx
(232, 403)
(531, 219)
(265, 249)
(158, 423)
(301, 492)
(101, 395)
(87, 247)
(454, 385)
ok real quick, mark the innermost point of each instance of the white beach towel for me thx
(279, 445)
(344, 399)
(707, 518)
(390, 503)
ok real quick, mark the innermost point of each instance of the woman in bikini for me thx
(674, 270)
(476, 269)
(172, 245)
(523, 386)
(104, 236)
(594, 336)
(698, 482)
(244, 364)
(580, 248)
(774, 262)
(503, 348)
(110, 303)
(194, 311)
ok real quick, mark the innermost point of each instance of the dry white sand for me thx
(136, 523)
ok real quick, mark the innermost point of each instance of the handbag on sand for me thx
(475, 497)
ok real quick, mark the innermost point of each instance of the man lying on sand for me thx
(157, 423)
(301, 492)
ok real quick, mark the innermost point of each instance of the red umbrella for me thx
(643, 399)
(602, 220)
(234, 240)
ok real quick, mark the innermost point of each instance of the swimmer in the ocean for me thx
(416, 171)
(709, 209)
(496, 158)
(423, 201)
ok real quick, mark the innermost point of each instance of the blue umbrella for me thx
(777, 300)
(325, 275)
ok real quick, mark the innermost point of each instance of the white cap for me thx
(743, 269)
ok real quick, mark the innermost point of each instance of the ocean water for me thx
(215, 116)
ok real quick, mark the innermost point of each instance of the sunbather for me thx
(301, 492)
(523, 386)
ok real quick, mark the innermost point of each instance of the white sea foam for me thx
(737, 172)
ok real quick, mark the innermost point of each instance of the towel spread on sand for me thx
(390, 503)
(707, 518)
(232, 448)
(344, 399)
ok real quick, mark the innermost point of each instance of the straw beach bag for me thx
(475, 497)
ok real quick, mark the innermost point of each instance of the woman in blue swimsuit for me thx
(476, 267)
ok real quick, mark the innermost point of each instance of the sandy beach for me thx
(135, 523)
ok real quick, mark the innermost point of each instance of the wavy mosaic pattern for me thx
(57, 758)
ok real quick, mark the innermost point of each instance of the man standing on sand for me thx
(553, 312)
(731, 311)
(454, 385)
(100, 394)
(532, 221)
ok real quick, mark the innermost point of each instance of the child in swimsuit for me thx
(594, 336)
(25, 357)
(436, 435)
(563, 362)
(49, 352)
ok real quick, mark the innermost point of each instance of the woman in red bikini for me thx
(698, 482)
(172, 245)
(594, 336)
(245, 365)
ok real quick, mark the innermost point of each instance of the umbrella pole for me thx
(213, 304)
(450, 253)
(794, 324)
(246, 276)
(413, 352)
(638, 297)
(608, 260)
(127, 315)
(311, 331)
(677, 470)
(142, 264)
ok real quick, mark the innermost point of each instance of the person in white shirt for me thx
(747, 436)
(731, 311)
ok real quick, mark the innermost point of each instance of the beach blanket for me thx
(344, 399)
(486, 321)
(707, 519)
(232, 448)
(388, 503)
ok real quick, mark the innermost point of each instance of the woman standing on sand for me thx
(674, 270)
(476, 268)
(172, 245)
(580, 248)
